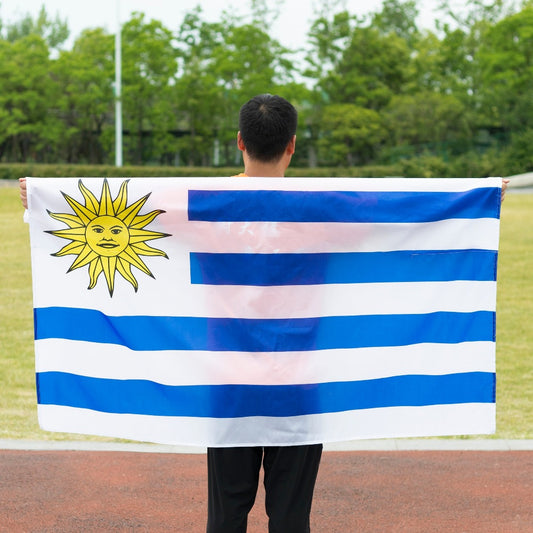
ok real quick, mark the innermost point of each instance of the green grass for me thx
(18, 413)
(514, 356)
(17, 393)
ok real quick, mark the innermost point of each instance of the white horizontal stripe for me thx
(289, 301)
(340, 300)
(269, 183)
(303, 237)
(460, 419)
(331, 184)
(280, 368)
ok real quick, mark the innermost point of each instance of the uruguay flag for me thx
(264, 311)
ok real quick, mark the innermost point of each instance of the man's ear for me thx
(240, 142)
(291, 147)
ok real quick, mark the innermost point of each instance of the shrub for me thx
(426, 166)
(17, 170)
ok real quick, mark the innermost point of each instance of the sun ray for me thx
(124, 269)
(140, 235)
(107, 235)
(86, 256)
(119, 204)
(109, 266)
(129, 214)
(130, 256)
(144, 249)
(86, 215)
(72, 221)
(140, 221)
(95, 269)
(72, 248)
(106, 202)
(90, 199)
(74, 234)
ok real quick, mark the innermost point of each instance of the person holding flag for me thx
(266, 138)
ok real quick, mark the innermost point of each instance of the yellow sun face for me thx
(108, 235)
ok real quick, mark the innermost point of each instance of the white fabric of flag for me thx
(264, 311)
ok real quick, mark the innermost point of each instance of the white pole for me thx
(118, 91)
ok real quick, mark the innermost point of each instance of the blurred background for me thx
(411, 88)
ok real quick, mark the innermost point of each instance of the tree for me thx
(464, 27)
(467, 15)
(28, 129)
(264, 13)
(221, 66)
(427, 119)
(86, 103)
(506, 64)
(329, 36)
(53, 31)
(149, 67)
(350, 134)
(198, 94)
(399, 18)
(371, 70)
(353, 61)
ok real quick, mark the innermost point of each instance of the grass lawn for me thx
(514, 355)
(18, 414)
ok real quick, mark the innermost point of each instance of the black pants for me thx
(233, 476)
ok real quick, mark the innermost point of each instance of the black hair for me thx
(267, 124)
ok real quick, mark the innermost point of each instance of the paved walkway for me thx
(404, 485)
(407, 444)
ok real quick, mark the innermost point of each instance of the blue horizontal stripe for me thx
(233, 401)
(342, 206)
(262, 335)
(349, 267)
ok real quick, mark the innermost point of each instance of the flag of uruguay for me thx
(264, 311)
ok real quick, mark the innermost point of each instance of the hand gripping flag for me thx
(264, 311)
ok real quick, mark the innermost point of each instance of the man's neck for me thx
(257, 169)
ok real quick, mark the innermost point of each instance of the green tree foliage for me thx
(361, 66)
(399, 18)
(372, 68)
(467, 15)
(221, 65)
(54, 31)
(149, 65)
(426, 118)
(329, 37)
(506, 71)
(460, 46)
(369, 90)
(518, 155)
(26, 89)
(350, 134)
(85, 104)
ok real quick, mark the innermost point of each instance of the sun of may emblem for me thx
(108, 235)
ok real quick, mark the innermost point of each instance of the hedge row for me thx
(374, 171)
(11, 171)
(37, 170)
(469, 165)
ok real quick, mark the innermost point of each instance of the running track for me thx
(381, 490)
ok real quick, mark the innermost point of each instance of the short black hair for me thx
(267, 124)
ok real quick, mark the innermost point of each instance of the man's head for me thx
(267, 125)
